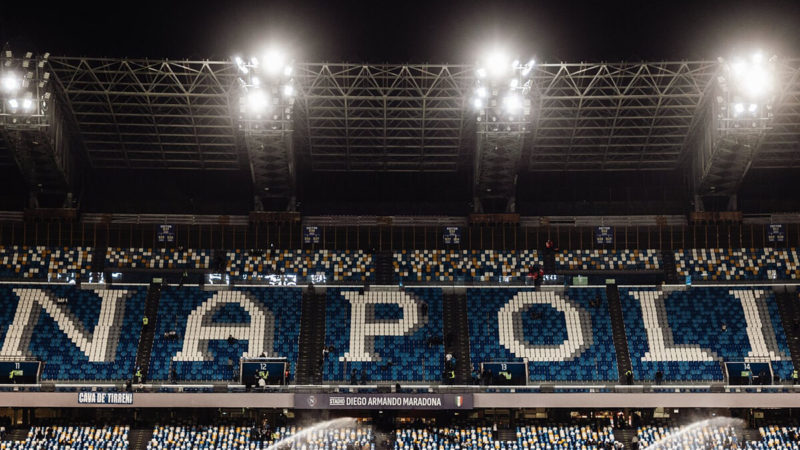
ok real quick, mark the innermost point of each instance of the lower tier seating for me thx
(563, 336)
(227, 437)
(77, 334)
(775, 437)
(688, 335)
(384, 335)
(111, 437)
(214, 329)
(680, 438)
(528, 437)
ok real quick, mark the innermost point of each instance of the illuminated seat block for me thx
(536, 330)
(689, 324)
(390, 334)
(224, 313)
(108, 335)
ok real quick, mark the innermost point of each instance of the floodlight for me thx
(738, 108)
(752, 108)
(13, 103)
(287, 71)
(10, 82)
(274, 61)
(481, 92)
(514, 83)
(257, 101)
(288, 90)
(27, 104)
(512, 102)
(477, 103)
(256, 81)
(752, 77)
(481, 72)
(529, 67)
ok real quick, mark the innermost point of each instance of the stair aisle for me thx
(618, 329)
(312, 338)
(139, 438)
(456, 335)
(670, 268)
(148, 333)
(384, 268)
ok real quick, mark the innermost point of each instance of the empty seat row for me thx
(731, 264)
(43, 262)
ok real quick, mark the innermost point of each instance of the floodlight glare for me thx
(257, 101)
(498, 63)
(514, 83)
(512, 103)
(752, 76)
(10, 82)
(274, 61)
(738, 108)
(287, 71)
(477, 103)
(752, 108)
(27, 104)
(481, 72)
(13, 103)
(481, 92)
(288, 90)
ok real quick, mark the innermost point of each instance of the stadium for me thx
(261, 251)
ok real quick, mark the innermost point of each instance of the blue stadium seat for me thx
(410, 356)
(543, 325)
(54, 343)
(695, 318)
(177, 304)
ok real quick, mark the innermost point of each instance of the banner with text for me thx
(105, 398)
(166, 233)
(311, 235)
(383, 401)
(604, 235)
(775, 233)
(452, 235)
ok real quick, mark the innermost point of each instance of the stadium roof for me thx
(144, 114)
(140, 114)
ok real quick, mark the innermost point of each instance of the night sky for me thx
(406, 31)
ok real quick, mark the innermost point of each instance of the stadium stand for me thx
(158, 258)
(402, 347)
(110, 437)
(462, 265)
(564, 337)
(43, 262)
(687, 334)
(776, 437)
(78, 334)
(494, 265)
(605, 259)
(66, 260)
(530, 437)
(200, 349)
(694, 436)
(355, 266)
(718, 264)
(215, 437)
